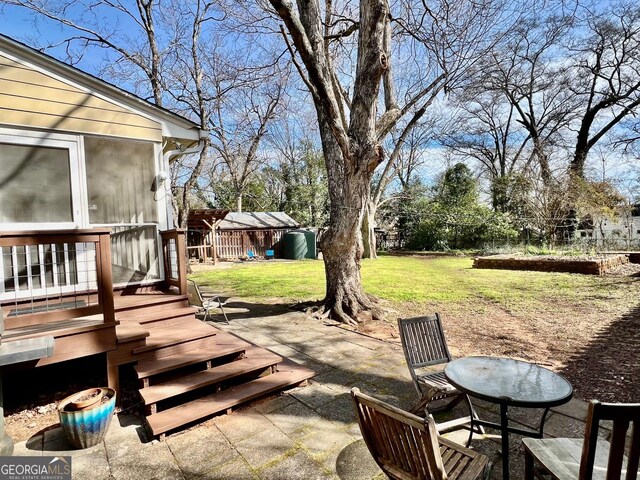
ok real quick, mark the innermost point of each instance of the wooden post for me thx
(113, 377)
(181, 254)
(204, 247)
(214, 246)
(105, 277)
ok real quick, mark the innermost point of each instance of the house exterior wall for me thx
(623, 232)
(118, 149)
(626, 226)
(31, 97)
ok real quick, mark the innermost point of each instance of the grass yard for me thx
(579, 325)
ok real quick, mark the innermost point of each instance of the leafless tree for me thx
(351, 128)
(188, 89)
(238, 135)
(487, 132)
(528, 71)
(138, 46)
(407, 155)
(607, 75)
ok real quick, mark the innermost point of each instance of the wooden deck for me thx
(187, 369)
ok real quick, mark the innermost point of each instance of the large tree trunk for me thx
(351, 147)
(342, 251)
(543, 161)
(369, 246)
(341, 244)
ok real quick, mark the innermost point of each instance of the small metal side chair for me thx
(590, 457)
(408, 447)
(196, 299)
(425, 346)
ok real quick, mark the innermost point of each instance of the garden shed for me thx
(240, 232)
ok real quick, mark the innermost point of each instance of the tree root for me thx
(357, 309)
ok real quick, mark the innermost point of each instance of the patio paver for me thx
(308, 432)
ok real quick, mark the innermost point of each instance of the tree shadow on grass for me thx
(608, 367)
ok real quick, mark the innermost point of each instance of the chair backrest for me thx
(269, 253)
(250, 254)
(403, 445)
(423, 341)
(193, 292)
(625, 417)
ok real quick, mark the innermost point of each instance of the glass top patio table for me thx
(505, 380)
(508, 382)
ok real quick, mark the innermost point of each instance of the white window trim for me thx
(44, 139)
(79, 194)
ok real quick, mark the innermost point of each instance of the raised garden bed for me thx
(596, 265)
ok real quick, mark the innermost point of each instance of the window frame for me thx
(78, 198)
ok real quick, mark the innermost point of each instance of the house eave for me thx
(173, 125)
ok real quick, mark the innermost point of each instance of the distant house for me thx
(237, 233)
(621, 232)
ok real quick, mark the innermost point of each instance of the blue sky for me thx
(19, 24)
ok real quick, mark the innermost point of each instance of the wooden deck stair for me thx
(189, 370)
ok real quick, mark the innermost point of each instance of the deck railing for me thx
(49, 276)
(175, 258)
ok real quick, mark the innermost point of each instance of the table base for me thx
(505, 429)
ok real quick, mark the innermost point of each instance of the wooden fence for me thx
(236, 244)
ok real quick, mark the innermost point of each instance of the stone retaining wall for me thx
(587, 267)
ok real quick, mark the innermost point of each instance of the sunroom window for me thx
(35, 184)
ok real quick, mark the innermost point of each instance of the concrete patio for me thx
(306, 433)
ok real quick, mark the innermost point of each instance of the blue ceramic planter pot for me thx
(87, 426)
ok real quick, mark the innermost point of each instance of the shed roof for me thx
(257, 220)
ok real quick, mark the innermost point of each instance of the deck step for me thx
(255, 359)
(161, 315)
(130, 332)
(176, 334)
(177, 349)
(135, 305)
(221, 345)
(175, 417)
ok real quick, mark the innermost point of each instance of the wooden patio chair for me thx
(196, 300)
(408, 447)
(426, 351)
(590, 457)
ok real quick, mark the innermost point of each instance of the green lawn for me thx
(561, 320)
(414, 279)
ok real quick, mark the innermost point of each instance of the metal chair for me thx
(426, 351)
(196, 300)
(408, 447)
(590, 457)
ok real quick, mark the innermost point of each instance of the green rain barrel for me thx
(299, 244)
